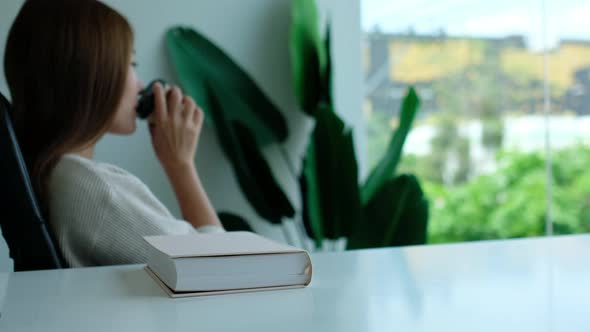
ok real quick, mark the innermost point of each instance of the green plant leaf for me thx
(251, 169)
(331, 174)
(197, 61)
(310, 198)
(308, 56)
(232, 222)
(396, 215)
(386, 167)
(327, 93)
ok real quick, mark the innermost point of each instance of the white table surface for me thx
(517, 285)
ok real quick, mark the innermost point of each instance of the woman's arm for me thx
(175, 127)
(191, 196)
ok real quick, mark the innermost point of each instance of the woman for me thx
(69, 66)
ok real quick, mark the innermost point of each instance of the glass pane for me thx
(568, 39)
(478, 145)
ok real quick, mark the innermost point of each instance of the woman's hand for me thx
(175, 127)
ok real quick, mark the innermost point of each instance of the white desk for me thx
(519, 285)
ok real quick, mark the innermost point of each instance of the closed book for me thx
(214, 263)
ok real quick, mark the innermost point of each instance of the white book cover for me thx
(217, 244)
(225, 245)
(171, 293)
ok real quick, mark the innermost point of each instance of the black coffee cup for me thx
(146, 102)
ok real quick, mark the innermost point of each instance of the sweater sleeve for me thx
(100, 214)
(130, 213)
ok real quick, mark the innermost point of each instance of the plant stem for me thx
(299, 215)
(287, 161)
(286, 234)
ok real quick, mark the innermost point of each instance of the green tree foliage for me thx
(511, 202)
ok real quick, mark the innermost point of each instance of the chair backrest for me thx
(29, 241)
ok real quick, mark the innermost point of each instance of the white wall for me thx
(255, 33)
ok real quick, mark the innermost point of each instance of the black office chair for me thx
(29, 240)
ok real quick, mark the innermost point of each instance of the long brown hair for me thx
(66, 63)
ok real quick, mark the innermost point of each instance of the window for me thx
(505, 91)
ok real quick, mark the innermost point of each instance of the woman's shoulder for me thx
(73, 171)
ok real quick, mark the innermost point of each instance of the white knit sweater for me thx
(99, 213)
